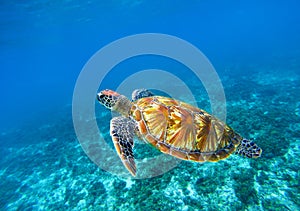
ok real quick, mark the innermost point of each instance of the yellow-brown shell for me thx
(184, 131)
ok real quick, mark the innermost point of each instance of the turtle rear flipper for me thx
(122, 133)
(248, 149)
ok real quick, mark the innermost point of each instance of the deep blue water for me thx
(254, 47)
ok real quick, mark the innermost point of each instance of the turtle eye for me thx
(99, 97)
(102, 98)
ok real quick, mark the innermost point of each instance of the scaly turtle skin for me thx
(173, 127)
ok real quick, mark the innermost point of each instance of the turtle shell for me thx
(183, 131)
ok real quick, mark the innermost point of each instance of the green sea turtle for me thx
(173, 127)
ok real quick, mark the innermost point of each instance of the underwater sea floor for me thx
(43, 166)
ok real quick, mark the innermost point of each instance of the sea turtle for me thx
(173, 127)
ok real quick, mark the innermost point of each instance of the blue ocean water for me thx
(44, 45)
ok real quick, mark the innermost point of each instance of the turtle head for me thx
(108, 98)
(114, 101)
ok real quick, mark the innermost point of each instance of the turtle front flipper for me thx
(122, 133)
(248, 149)
(141, 93)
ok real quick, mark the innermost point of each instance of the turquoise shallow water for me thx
(44, 45)
(53, 172)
